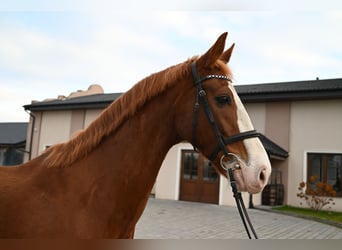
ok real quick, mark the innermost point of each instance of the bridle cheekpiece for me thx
(222, 142)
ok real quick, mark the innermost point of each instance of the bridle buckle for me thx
(232, 164)
(202, 93)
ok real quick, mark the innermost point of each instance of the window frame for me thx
(323, 168)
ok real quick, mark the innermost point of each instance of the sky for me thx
(63, 46)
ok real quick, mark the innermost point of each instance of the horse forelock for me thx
(225, 69)
(111, 118)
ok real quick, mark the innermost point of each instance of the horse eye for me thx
(223, 100)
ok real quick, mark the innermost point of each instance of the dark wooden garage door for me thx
(199, 180)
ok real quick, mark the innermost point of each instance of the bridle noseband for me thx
(222, 141)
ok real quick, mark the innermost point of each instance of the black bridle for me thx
(222, 141)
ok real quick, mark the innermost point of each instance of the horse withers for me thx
(97, 184)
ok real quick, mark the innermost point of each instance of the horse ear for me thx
(225, 57)
(210, 57)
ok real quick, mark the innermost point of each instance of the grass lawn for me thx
(325, 215)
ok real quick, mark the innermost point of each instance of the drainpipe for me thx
(32, 131)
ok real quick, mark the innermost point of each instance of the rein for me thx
(222, 142)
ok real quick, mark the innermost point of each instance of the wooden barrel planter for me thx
(273, 193)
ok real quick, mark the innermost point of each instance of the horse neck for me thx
(144, 139)
(125, 165)
(147, 136)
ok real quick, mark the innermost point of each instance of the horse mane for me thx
(111, 118)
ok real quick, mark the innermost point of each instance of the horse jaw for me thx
(254, 174)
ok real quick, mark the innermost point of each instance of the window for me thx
(10, 156)
(190, 165)
(2, 156)
(196, 166)
(327, 168)
(209, 173)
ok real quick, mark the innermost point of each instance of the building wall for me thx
(51, 127)
(277, 119)
(50, 133)
(33, 136)
(168, 180)
(76, 121)
(315, 127)
(90, 115)
(257, 113)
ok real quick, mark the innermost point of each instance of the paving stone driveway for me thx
(166, 219)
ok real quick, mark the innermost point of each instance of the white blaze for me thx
(257, 156)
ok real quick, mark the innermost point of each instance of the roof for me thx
(83, 102)
(266, 92)
(12, 133)
(273, 150)
(291, 91)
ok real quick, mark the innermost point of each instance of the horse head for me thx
(213, 118)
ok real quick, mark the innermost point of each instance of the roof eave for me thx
(290, 96)
(273, 150)
(7, 144)
(277, 157)
(66, 106)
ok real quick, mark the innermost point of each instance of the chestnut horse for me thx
(97, 184)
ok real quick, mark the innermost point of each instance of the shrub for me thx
(317, 194)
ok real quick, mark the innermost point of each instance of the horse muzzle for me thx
(249, 178)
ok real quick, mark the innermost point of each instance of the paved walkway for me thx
(165, 219)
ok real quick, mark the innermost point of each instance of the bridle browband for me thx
(222, 141)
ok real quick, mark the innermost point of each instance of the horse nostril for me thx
(262, 176)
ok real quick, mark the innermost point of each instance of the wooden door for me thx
(199, 180)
